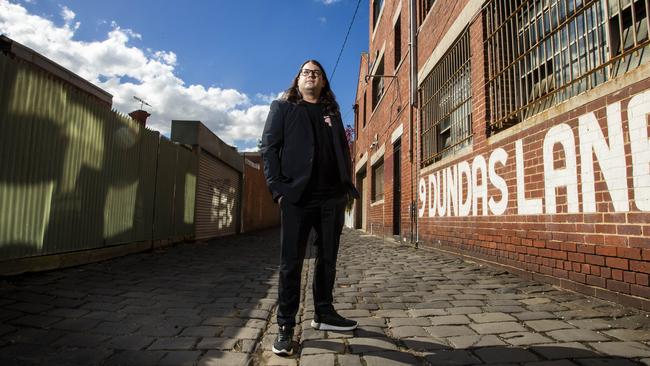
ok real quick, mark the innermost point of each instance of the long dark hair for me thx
(327, 97)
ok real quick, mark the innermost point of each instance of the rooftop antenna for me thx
(142, 102)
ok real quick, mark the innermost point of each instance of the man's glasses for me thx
(314, 73)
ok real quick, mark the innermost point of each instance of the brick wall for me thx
(549, 198)
(551, 221)
(392, 113)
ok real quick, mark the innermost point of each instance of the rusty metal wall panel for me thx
(185, 191)
(217, 198)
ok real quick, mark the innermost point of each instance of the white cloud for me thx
(67, 14)
(268, 98)
(124, 71)
(328, 2)
(322, 20)
(168, 57)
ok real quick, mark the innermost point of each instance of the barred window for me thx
(363, 110)
(397, 42)
(424, 6)
(446, 113)
(542, 52)
(376, 10)
(378, 84)
(377, 189)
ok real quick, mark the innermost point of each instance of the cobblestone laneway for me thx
(214, 305)
(425, 308)
(178, 306)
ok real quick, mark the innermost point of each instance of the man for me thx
(307, 167)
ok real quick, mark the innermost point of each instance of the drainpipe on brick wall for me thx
(413, 83)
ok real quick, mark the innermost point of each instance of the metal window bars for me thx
(423, 9)
(377, 83)
(542, 52)
(377, 189)
(446, 112)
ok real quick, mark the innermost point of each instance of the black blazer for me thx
(288, 150)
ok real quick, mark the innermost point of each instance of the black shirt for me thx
(324, 181)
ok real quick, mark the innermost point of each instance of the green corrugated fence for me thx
(75, 175)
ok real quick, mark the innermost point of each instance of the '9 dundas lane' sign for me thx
(458, 189)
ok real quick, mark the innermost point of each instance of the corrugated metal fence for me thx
(75, 175)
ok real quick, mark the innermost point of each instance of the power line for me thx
(347, 114)
(345, 40)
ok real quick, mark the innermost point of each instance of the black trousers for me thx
(326, 217)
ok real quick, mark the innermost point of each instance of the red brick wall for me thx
(604, 251)
(436, 25)
(608, 248)
(392, 111)
(601, 253)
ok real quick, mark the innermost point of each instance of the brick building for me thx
(512, 132)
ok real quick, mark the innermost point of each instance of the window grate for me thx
(423, 9)
(542, 52)
(446, 112)
(377, 189)
(376, 10)
(378, 84)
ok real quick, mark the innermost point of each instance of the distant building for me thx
(219, 180)
(512, 132)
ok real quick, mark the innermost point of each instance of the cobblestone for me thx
(546, 325)
(214, 304)
(622, 349)
(497, 328)
(180, 358)
(450, 320)
(323, 346)
(629, 334)
(525, 338)
(491, 317)
(576, 335)
(408, 332)
(476, 341)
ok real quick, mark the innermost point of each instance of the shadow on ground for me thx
(378, 349)
(189, 304)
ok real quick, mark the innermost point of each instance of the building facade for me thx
(514, 133)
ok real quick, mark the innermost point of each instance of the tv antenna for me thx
(142, 102)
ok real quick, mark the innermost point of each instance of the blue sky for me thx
(217, 61)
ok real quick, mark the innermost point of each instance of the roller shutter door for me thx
(217, 198)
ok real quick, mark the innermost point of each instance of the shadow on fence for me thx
(75, 175)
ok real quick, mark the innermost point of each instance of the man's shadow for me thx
(415, 351)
